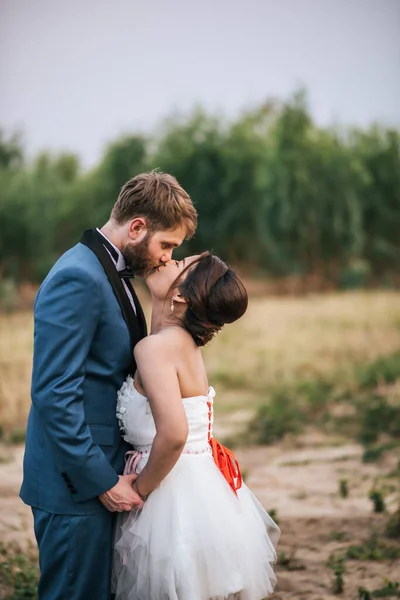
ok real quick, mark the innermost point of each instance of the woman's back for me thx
(187, 359)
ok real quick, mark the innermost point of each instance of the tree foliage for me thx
(275, 193)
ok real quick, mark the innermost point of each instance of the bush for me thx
(19, 575)
(276, 419)
(377, 417)
(381, 371)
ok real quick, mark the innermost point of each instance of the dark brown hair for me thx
(214, 294)
(159, 199)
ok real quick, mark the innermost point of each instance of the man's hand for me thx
(122, 497)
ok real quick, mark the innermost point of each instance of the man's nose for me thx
(166, 257)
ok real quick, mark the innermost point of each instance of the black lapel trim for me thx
(139, 310)
(109, 246)
(91, 239)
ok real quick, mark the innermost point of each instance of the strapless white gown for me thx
(194, 539)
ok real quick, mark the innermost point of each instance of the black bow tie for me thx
(126, 274)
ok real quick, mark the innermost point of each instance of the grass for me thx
(338, 567)
(16, 342)
(289, 562)
(295, 349)
(284, 341)
(390, 590)
(374, 548)
(392, 529)
(19, 575)
(329, 361)
(341, 403)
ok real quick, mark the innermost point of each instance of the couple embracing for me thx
(131, 495)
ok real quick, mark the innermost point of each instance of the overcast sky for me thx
(77, 73)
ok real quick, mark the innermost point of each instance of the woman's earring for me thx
(172, 305)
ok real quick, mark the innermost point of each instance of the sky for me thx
(75, 75)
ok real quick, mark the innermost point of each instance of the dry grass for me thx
(287, 339)
(16, 343)
(279, 339)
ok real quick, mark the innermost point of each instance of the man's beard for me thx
(138, 258)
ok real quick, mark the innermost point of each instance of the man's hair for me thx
(159, 199)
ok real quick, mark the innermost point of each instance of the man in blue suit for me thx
(87, 322)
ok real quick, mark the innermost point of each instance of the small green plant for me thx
(343, 488)
(373, 454)
(378, 501)
(392, 529)
(391, 590)
(337, 564)
(374, 548)
(284, 560)
(17, 436)
(364, 594)
(273, 513)
(289, 562)
(337, 536)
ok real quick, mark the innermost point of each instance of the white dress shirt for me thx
(120, 266)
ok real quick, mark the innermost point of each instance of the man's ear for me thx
(136, 227)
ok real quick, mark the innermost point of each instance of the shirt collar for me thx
(120, 261)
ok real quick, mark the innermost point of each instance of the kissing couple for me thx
(132, 497)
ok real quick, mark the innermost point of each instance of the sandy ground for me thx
(301, 484)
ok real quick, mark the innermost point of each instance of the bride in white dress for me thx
(200, 533)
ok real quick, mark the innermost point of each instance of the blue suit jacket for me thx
(82, 354)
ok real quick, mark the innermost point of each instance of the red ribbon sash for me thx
(227, 463)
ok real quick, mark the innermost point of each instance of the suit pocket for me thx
(104, 435)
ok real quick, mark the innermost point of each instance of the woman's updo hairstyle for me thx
(214, 295)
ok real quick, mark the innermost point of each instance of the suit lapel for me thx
(139, 311)
(136, 330)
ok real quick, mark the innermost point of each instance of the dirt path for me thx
(302, 485)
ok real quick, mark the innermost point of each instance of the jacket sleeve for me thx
(67, 313)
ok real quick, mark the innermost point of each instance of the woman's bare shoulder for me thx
(149, 344)
(168, 340)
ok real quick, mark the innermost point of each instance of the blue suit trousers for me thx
(75, 555)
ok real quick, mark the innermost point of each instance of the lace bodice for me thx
(137, 423)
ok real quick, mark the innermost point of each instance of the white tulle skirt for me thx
(195, 540)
